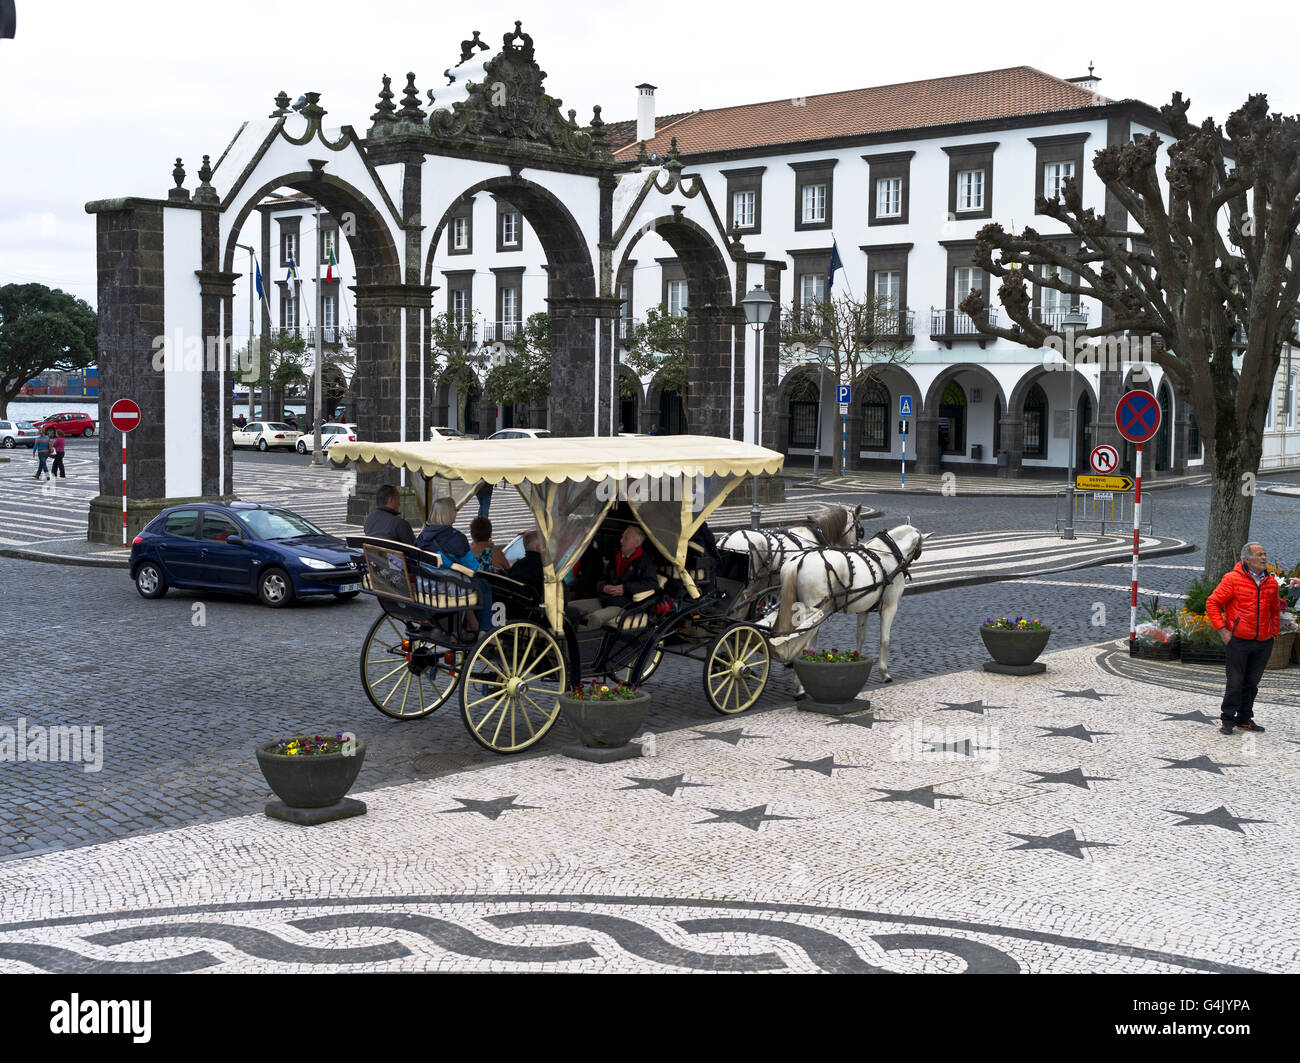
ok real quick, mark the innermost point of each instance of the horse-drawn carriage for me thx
(421, 651)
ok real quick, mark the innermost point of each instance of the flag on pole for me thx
(257, 279)
(292, 274)
(836, 263)
(329, 270)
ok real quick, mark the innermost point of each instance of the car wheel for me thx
(89, 432)
(149, 581)
(261, 445)
(347, 596)
(275, 588)
(302, 449)
(9, 444)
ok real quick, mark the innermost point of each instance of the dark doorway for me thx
(875, 418)
(952, 419)
(1035, 423)
(672, 417)
(1165, 433)
(803, 415)
(1083, 434)
(469, 412)
(627, 413)
(997, 426)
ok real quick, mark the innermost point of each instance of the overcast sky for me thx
(97, 98)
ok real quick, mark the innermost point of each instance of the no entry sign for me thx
(124, 415)
(1104, 459)
(1137, 416)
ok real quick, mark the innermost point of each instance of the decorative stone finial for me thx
(178, 175)
(467, 47)
(281, 106)
(385, 109)
(643, 156)
(599, 138)
(674, 160)
(205, 193)
(573, 118)
(410, 111)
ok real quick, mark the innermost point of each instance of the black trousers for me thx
(57, 469)
(1245, 663)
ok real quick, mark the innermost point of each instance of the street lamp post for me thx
(824, 351)
(758, 308)
(1075, 319)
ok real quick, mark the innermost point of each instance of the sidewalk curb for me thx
(870, 514)
(21, 554)
(987, 494)
(971, 581)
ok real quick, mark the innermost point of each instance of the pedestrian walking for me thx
(41, 451)
(484, 496)
(59, 445)
(1245, 609)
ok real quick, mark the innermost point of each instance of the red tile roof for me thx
(1017, 90)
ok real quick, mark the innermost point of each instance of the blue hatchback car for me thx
(244, 548)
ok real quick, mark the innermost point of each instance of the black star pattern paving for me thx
(1090, 694)
(746, 817)
(1195, 716)
(1065, 842)
(922, 795)
(860, 719)
(965, 747)
(977, 707)
(1201, 763)
(1077, 731)
(491, 809)
(668, 786)
(1074, 777)
(823, 767)
(732, 738)
(1216, 817)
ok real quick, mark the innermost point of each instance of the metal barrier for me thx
(1102, 508)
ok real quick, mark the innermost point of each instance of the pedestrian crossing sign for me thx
(904, 405)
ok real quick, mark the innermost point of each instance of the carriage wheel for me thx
(736, 669)
(406, 676)
(651, 666)
(765, 603)
(511, 693)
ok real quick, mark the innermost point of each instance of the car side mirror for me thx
(236, 540)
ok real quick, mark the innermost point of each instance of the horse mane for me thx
(833, 522)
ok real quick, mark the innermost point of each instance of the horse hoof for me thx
(887, 679)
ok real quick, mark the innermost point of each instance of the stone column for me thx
(576, 324)
(377, 384)
(217, 290)
(925, 440)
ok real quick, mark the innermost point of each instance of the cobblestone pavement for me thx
(1084, 820)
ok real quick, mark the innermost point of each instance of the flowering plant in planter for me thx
(1002, 623)
(832, 656)
(314, 745)
(597, 691)
(1160, 627)
(1196, 629)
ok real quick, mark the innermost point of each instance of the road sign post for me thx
(904, 411)
(1138, 419)
(124, 415)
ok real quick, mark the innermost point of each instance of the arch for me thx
(952, 418)
(877, 409)
(948, 373)
(571, 274)
(1164, 440)
(708, 279)
(664, 408)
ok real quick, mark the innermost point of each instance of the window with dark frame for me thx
(813, 194)
(1036, 423)
(803, 414)
(875, 418)
(745, 199)
(1056, 159)
(970, 180)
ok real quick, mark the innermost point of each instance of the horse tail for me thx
(785, 611)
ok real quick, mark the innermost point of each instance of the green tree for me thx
(656, 348)
(42, 329)
(521, 367)
(457, 359)
(1213, 252)
(853, 340)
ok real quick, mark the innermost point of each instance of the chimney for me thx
(1089, 82)
(645, 112)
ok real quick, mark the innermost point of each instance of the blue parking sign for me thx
(843, 393)
(904, 405)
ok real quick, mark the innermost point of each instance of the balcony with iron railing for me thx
(1053, 317)
(330, 335)
(948, 326)
(500, 331)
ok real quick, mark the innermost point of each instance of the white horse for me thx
(823, 582)
(837, 525)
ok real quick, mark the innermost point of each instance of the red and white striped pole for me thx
(123, 488)
(1137, 519)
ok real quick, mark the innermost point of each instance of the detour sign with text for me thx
(1103, 483)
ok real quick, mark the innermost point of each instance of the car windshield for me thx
(279, 427)
(449, 432)
(25, 424)
(277, 524)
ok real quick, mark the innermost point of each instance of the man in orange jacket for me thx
(1245, 609)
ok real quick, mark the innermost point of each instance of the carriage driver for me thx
(629, 572)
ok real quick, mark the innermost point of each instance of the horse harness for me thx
(846, 595)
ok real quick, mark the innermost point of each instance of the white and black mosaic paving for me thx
(1088, 819)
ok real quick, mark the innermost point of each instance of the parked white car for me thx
(521, 433)
(264, 435)
(443, 432)
(330, 434)
(18, 434)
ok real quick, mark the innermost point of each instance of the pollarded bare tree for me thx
(1219, 254)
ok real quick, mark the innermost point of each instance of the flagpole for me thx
(316, 374)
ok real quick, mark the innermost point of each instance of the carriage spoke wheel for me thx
(624, 675)
(405, 675)
(736, 669)
(510, 696)
(765, 603)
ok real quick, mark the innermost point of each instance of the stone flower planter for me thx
(833, 686)
(1015, 652)
(1197, 653)
(311, 789)
(605, 728)
(1283, 647)
(1158, 651)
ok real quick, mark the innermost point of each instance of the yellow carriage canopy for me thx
(671, 483)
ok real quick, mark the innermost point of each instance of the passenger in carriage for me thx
(629, 572)
(439, 535)
(528, 569)
(385, 520)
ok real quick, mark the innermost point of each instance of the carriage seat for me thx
(635, 617)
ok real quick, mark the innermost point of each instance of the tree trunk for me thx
(1232, 501)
